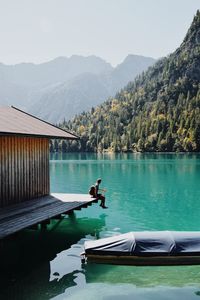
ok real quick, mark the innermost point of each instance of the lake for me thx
(144, 192)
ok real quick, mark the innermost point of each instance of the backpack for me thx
(92, 190)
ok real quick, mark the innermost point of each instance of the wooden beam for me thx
(34, 227)
(58, 217)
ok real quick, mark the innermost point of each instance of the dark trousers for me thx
(102, 198)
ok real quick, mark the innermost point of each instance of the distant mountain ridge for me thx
(59, 69)
(159, 111)
(59, 89)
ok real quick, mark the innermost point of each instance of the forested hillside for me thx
(159, 111)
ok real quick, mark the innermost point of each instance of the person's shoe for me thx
(101, 205)
(104, 206)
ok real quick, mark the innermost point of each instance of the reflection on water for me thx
(25, 260)
(123, 156)
(144, 192)
(173, 276)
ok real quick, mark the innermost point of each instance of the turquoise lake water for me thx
(144, 192)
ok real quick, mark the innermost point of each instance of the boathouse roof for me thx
(14, 121)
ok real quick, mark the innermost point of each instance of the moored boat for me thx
(146, 248)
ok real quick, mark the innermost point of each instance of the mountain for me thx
(21, 84)
(132, 66)
(58, 70)
(87, 90)
(159, 111)
(59, 89)
(67, 99)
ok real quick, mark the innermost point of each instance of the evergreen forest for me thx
(158, 111)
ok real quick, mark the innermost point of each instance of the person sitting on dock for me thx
(100, 196)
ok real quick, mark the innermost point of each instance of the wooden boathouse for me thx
(25, 198)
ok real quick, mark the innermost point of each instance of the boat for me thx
(146, 248)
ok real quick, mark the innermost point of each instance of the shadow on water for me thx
(44, 264)
(25, 260)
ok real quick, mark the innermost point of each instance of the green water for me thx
(144, 192)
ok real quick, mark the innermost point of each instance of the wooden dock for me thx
(17, 217)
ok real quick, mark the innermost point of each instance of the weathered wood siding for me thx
(24, 169)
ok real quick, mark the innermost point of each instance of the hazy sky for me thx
(40, 30)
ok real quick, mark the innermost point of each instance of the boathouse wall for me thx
(24, 168)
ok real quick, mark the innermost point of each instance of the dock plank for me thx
(23, 215)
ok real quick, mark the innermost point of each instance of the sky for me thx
(41, 30)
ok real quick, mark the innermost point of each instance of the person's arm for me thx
(103, 190)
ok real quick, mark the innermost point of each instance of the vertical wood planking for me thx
(4, 167)
(6, 182)
(24, 169)
(23, 150)
(30, 165)
(47, 167)
(1, 168)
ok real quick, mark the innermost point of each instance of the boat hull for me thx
(146, 248)
(143, 261)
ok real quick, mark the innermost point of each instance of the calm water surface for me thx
(144, 192)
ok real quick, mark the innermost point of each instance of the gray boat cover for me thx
(147, 243)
